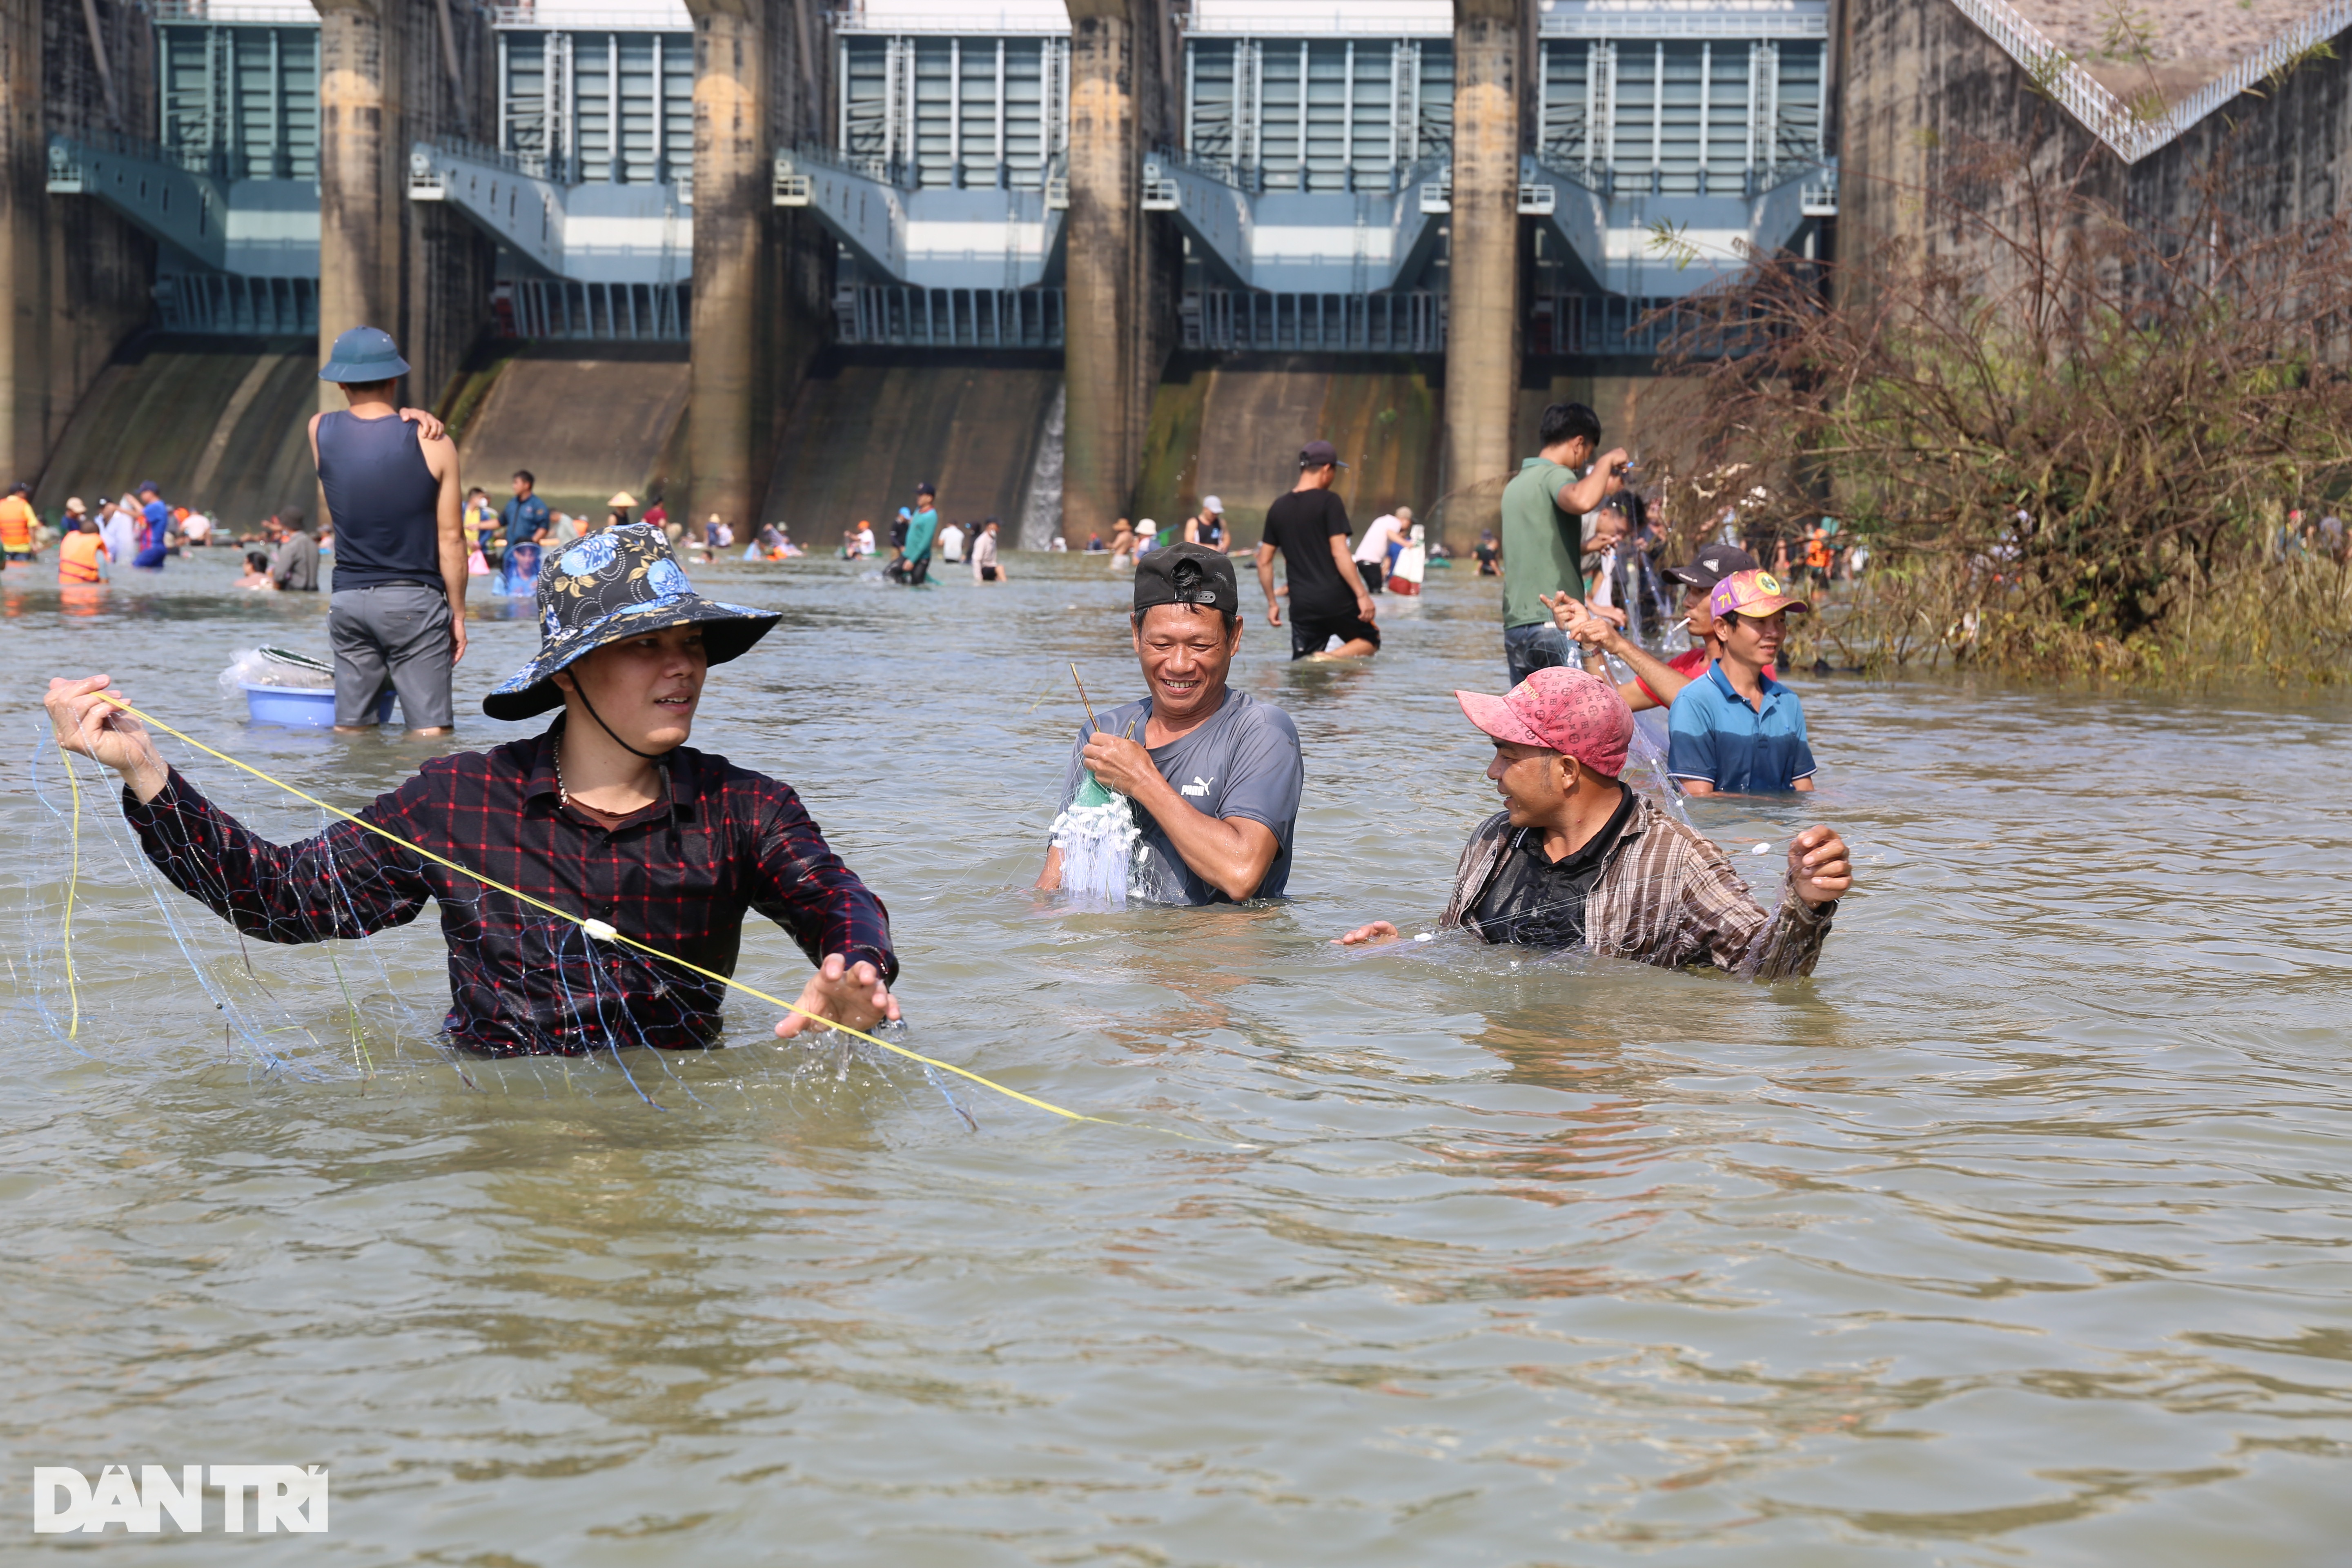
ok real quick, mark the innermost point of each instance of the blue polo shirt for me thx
(1716, 736)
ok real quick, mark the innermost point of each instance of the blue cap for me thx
(361, 355)
(148, 485)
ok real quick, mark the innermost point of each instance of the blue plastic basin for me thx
(302, 706)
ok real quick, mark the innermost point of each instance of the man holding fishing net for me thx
(1215, 774)
(612, 831)
(1577, 860)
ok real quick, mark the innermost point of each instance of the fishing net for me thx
(1096, 835)
(275, 667)
(114, 963)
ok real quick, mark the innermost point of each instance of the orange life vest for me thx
(17, 521)
(78, 558)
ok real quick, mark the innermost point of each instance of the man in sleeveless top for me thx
(397, 613)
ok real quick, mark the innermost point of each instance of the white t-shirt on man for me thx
(1378, 538)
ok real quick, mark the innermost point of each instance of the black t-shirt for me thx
(1302, 525)
(1540, 902)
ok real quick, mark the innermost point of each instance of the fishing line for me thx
(603, 932)
(73, 884)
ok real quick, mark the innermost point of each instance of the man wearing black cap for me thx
(1655, 681)
(1215, 772)
(1309, 526)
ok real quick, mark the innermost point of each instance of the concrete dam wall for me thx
(586, 419)
(219, 422)
(1231, 426)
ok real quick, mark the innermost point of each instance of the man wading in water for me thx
(609, 815)
(1216, 773)
(1577, 859)
(397, 613)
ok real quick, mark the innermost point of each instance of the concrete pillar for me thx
(733, 209)
(1482, 325)
(360, 183)
(24, 159)
(1106, 319)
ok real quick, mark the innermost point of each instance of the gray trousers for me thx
(398, 634)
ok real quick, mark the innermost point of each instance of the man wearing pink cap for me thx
(1734, 730)
(1577, 859)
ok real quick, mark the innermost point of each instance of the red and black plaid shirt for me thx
(679, 876)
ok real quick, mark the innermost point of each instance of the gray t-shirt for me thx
(1244, 762)
(294, 564)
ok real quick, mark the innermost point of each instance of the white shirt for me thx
(1375, 546)
(198, 528)
(951, 542)
(865, 542)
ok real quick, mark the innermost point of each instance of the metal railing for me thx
(1259, 319)
(2128, 133)
(1672, 23)
(246, 13)
(898, 315)
(209, 161)
(561, 308)
(228, 303)
(2315, 28)
(1603, 179)
(1603, 325)
(651, 19)
(1271, 21)
(972, 18)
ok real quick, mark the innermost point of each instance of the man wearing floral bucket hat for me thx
(1577, 860)
(1734, 730)
(608, 815)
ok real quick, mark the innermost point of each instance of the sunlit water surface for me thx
(2016, 1235)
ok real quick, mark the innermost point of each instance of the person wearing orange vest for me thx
(17, 521)
(79, 554)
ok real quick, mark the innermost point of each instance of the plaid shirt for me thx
(1666, 897)
(679, 876)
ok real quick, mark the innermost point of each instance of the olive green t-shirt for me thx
(1543, 547)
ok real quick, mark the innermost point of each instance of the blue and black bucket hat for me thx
(363, 356)
(622, 583)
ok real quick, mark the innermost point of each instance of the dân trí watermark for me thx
(291, 1498)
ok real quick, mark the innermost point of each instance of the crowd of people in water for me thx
(1207, 779)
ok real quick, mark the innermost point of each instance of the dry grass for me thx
(2068, 455)
(2288, 622)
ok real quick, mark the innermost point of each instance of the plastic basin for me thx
(303, 707)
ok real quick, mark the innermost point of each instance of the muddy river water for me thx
(2019, 1234)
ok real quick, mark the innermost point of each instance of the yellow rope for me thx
(73, 883)
(606, 931)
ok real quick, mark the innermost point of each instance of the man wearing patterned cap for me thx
(606, 815)
(1576, 859)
